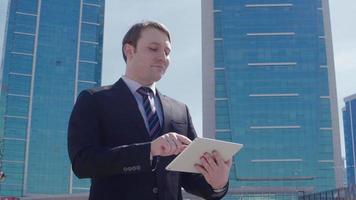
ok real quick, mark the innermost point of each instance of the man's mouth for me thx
(158, 66)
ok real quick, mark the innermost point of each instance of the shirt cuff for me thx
(221, 189)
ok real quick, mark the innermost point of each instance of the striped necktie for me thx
(154, 125)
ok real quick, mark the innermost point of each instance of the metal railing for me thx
(344, 193)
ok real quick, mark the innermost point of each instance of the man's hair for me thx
(134, 33)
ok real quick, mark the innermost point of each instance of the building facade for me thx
(269, 83)
(349, 119)
(52, 51)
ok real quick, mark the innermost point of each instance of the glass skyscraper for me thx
(349, 118)
(269, 83)
(53, 49)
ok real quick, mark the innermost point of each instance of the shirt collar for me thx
(134, 85)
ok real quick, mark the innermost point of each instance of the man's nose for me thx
(162, 56)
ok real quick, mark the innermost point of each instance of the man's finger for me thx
(201, 169)
(210, 160)
(205, 163)
(184, 146)
(176, 141)
(229, 163)
(179, 146)
(172, 145)
(218, 158)
(166, 146)
(183, 139)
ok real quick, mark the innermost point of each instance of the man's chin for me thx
(153, 79)
(158, 78)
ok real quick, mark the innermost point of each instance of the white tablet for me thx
(186, 160)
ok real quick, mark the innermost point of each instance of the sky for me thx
(183, 79)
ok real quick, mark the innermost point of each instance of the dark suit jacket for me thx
(109, 143)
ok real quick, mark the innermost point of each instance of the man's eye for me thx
(153, 49)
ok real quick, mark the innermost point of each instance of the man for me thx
(124, 135)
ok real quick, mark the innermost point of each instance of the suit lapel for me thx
(128, 104)
(167, 112)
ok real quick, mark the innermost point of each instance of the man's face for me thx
(149, 60)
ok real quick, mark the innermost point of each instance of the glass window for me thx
(19, 84)
(26, 6)
(222, 115)
(91, 14)
(15, 127)
(89, 72)
(25, 23)
(81, 183)
(226, 136)
(83, 86)
(17, 106)
(220, 87)
(90, 32)
(218, 4)
(21, 64)
(88, 52)
(93, 1)
(217, 25)
(14, 150)
(219, 58)
(23, 43)
(11, 189)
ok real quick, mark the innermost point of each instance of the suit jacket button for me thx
(155, 190)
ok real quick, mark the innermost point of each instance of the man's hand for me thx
(169, 144)
(214, 169)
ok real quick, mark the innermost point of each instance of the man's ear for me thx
(128, 50)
